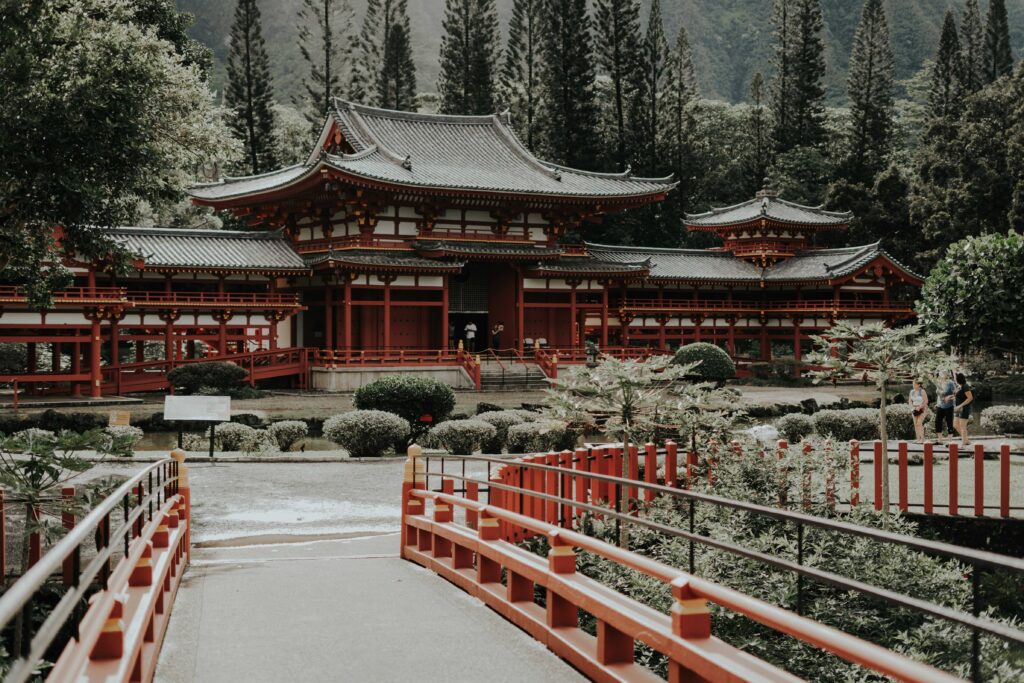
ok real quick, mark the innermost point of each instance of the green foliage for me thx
(325, 43)
(795, 427)
(1003, 419)
(713, 363)
(366, 433)
(843, 425)
(123, 439)
(542, 436)
(223, 377)
(469, 54)
(990, 271)
(410, 397)
(232, 436)
(501, 420)
(520, 85)
(463, 437)
(798, 89)
(287, 433)
(383, 71)
(899, 421)
(249, 96)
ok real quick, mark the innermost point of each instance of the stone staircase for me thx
(511, 376)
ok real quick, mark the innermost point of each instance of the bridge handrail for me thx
(847, 646)
(17, 598)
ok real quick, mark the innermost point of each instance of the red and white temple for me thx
(401, 229)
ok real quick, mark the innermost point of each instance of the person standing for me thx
(919, 406)
(496, 336)
(962, 408)
(945, 399)
(470, 331)
(451, 336)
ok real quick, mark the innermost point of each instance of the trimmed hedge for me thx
(208, 378)
(795, 427)
(715, 364)
(1003, 419)
(287, 433)
(501, 420)
(366, 433)
(410, 397)
(541, 437)
(843, 425)
(463, 437)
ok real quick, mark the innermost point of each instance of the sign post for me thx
(212, 409)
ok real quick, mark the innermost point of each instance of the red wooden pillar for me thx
(329, 317)
(444, 314)
(222, 333)
(880, 458)
(796, 340)
(671, 465)
(854, 472)
(520, 312)
(387, 311)
(30, 360)
(604, 315)
(650, 470)
(903, 484)
(76, 366)
(55, 357)
(731, 335)
(1004, 480)
(574, 338)
(929, 460)
(979, 480)
(347, 310)
(766, 347)
(954, 454)
(67, 518)
(95, 390)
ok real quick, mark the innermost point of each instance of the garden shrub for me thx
(501, 420)
(123, 439)
(795, 427)
(287, 433)
(216, 376)
(463, 437)
(55, 421)
(541, 437)
(232, 436)
(1003, 419)
(899, 421)
(843, 425)
(410, 397)
(715, 364)
(366, 433)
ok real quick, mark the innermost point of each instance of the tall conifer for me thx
(325, 38)
(946, 92)
(520, 86)
(782, 61)
(808, 74)
(383, 72)
(571, 107)
(676, 105)
(872, 108)
(972, 44)
(654, 72)
(618, 47)
(760, 152)
(998, 53)
(249, 96)
(469, 52)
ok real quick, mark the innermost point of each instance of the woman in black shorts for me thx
(962, 407)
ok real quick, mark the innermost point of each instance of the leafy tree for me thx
(173, 26)
(570, 119)
(991, 268)
(972, 42)
(141, 121)
(469, 52)
(946, 92)
(998, 60)
(890, 356)
(521, 80)
(249, 96)
(618, 50)
(383, 72)
(325, 39)
(872, 108)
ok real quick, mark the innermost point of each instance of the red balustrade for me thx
(214, 299)
(69, 296)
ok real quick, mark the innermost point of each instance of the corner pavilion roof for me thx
(768, 205)
(210, 249)
(436, 152)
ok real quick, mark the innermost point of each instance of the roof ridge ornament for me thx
(407, 164)
(767, 191)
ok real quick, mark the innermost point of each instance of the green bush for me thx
(542, 436)
(410, 397)
(463, 437)
(715, 364)
(287, 433)
(194, 378)
(366, 433)
(501, 420)
(123, 439)
(795, 427)
(1003, 419)
(232, 436)
(899, 421)
(843, 425)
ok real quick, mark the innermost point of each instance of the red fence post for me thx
(565, 487)
(929, 459)
(67, 518)
(979, 480)
(551, 489)
(879, 457)
(35, 546)
(634, 471)
(691, 464)
(472, 493)
(614, 469)
(3, 539)
(413, 476)
(903, 476)
(954, 454)
(582, 485)
(1004, 480)
(671, 464)
(854, 472)
(650, 469)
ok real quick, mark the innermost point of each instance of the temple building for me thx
(402, 232)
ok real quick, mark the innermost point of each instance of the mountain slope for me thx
(731, 38)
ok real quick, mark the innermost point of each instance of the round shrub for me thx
(540, 437)
(366, 433)
(287, 433)
(899, 421)
(715, 364)
(223, 376)
(463, 437)
(231, 436)
(795, 427)
(843, 425)
(410, 397)
(1003, 419)
(123, 439)
(501, 420)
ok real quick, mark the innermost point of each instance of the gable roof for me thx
(212, 249)
(770, 206)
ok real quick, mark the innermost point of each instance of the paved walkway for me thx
(338, 610)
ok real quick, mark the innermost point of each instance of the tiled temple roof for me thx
(213, 249)
(438, 152)
(589, 265)
(514, 250)
(381, 260)
(768, 205)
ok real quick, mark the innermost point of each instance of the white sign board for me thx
(198, 408)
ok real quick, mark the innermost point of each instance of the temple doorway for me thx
(484, 294)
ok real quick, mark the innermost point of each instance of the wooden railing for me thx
(214, 299)
(147, 520)
(71, 295)
(809, 305)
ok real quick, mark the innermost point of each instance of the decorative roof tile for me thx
(516, 250)
(591, 266)
(772, 207)
(681, 264)
(212, 249)
(380, 260)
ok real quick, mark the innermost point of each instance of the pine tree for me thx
(469, 51)
(946, 93)
(653, 73)
(249, 96)
(998, 53)
(676, 106)
(325, 38)
(570, 115)
(520, 87)
(808, 60)
(618, 47)
(972, 43)
(782, 85)
(383, 72)
(760, 152)
(872, 108)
